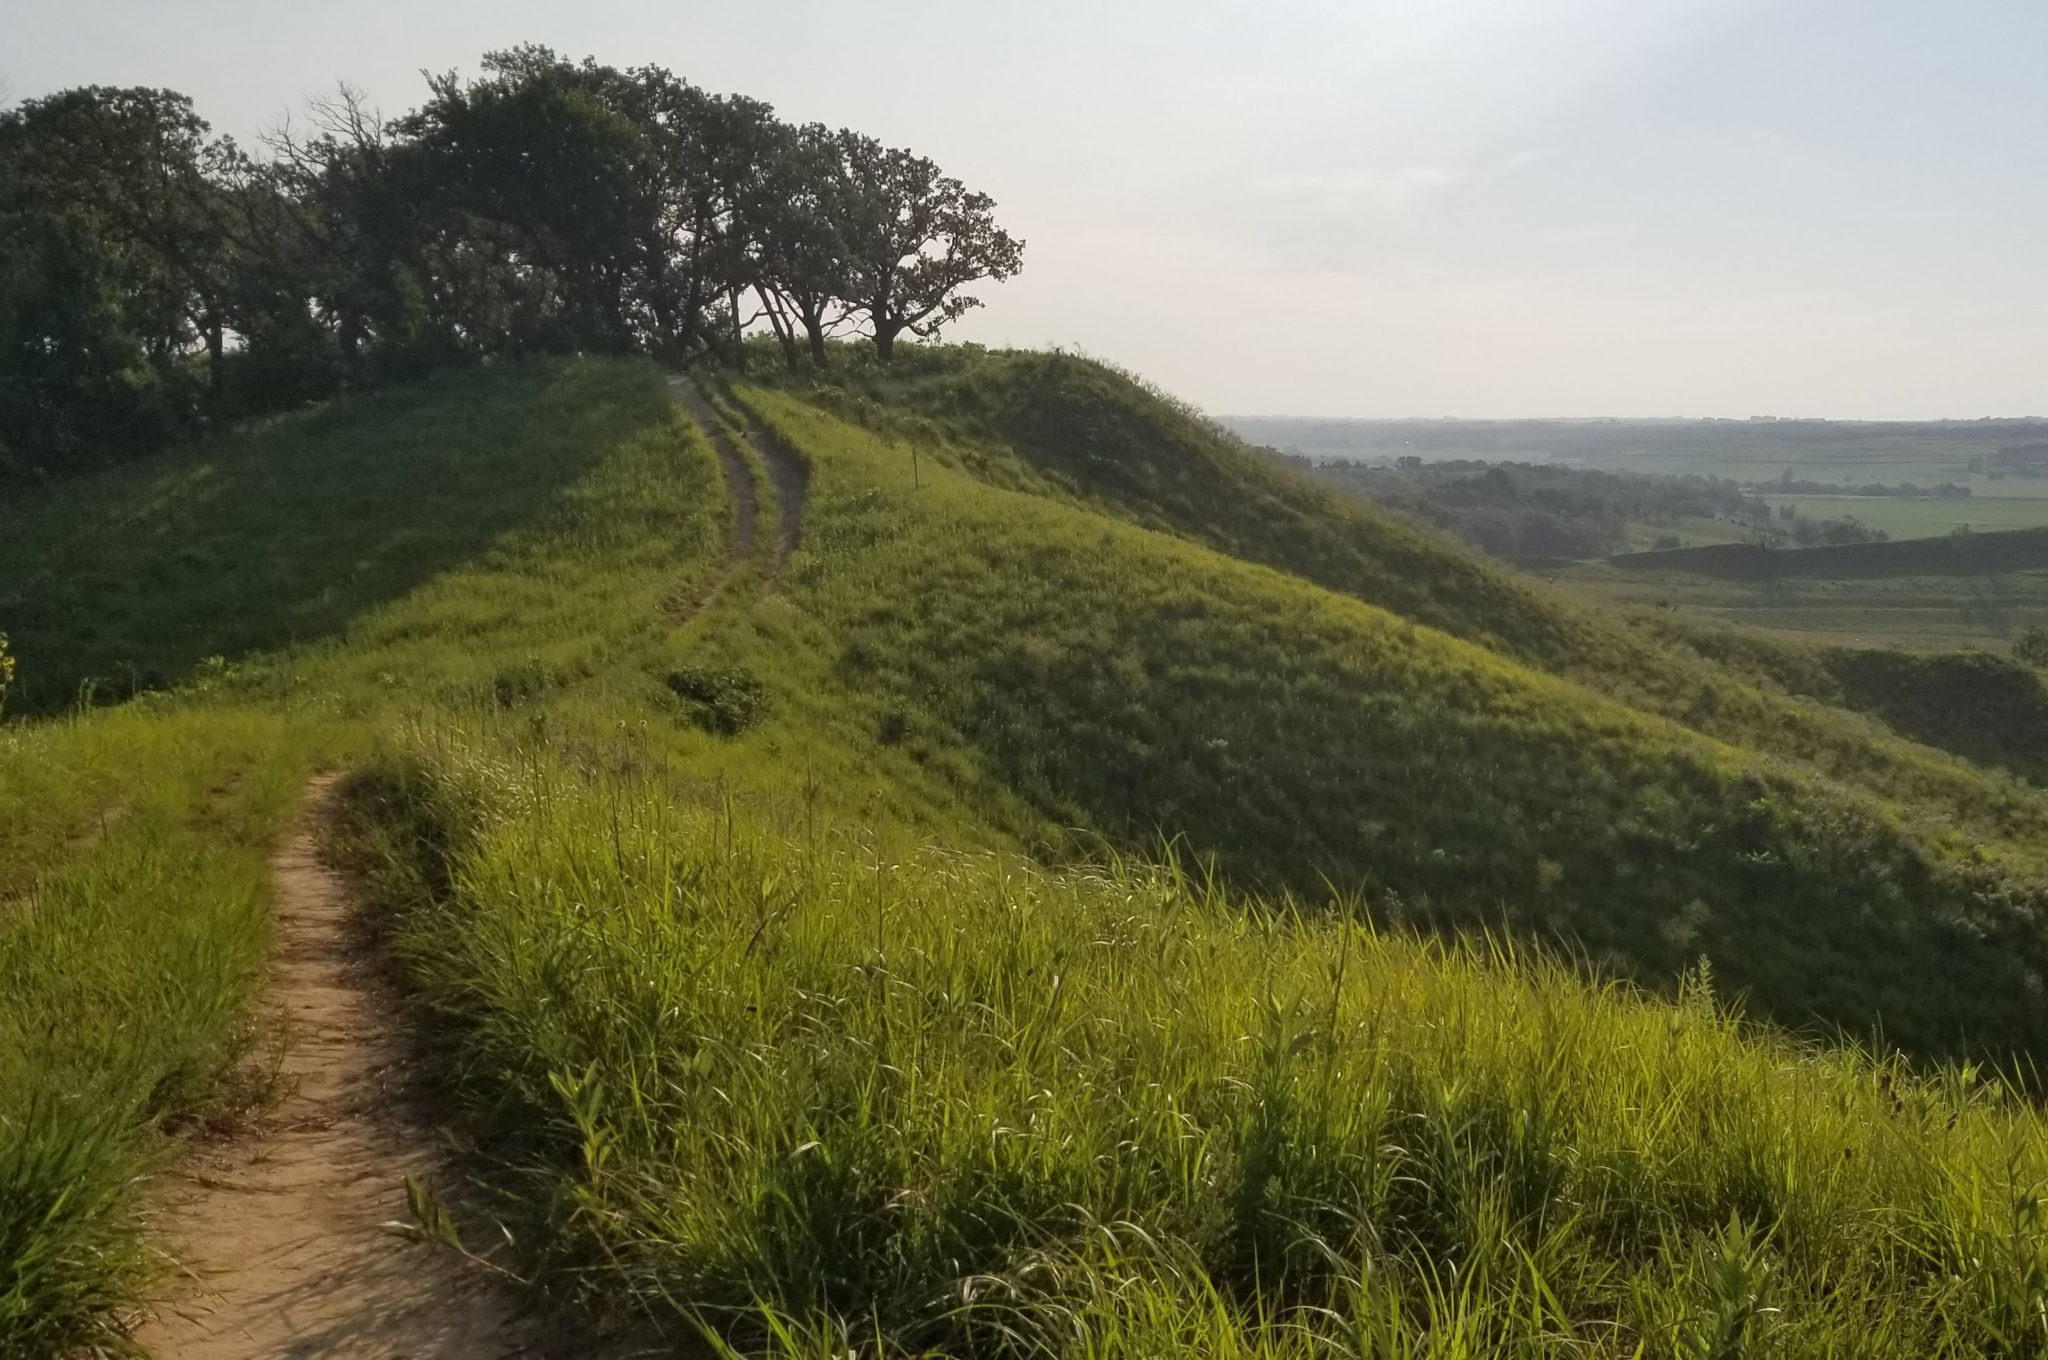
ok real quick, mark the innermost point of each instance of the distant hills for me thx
(1609, 440)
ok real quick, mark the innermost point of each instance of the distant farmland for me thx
(2008, 490)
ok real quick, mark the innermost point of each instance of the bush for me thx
(726, 700)
(2031, 646)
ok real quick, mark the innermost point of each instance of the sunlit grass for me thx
(810, 965)
(134, 840)
(820, 1093)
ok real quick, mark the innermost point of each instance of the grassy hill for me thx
(809, 957)
(1073, 429)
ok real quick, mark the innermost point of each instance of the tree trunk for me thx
(662, 301)
(778, 320)
(810, 309)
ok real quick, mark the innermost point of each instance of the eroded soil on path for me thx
(278, 1230)
(739, 481)
(786, 478)
(786, 472)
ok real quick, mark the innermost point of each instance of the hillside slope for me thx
(1076, 430)
(756, 1015)
(1136, 685)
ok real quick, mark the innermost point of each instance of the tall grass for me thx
(1072, 429)
(1128, 683)
(817, 1092)
(742, 1049)
(478, 546)
(127, 959)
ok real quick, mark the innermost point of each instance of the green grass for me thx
(824, 1093)
(1913, 612)
(131, 937)
(1137, 686)
(282, 538)
(468, 547)
(1071, 430)
(810, 966)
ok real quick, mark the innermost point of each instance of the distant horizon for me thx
(1516, 209)
(1631, 420)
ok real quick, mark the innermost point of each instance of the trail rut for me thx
(786, 477)
(739, 480)
(277, 1231)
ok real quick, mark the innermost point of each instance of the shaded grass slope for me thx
(280, 535)
(1955, 554)
(1989, 709)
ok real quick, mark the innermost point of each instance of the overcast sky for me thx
(1383, 207)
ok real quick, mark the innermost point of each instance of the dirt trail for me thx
(278, 1229)
(786, 471)
(739, 480)
(785, 475)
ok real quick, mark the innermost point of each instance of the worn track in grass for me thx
(739, 481)
(277, 1230)
(785, 476)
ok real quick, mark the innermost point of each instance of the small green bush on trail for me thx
(723, 699)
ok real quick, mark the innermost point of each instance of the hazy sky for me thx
(1385, 207)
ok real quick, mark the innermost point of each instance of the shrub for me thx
(723, 699)
(2031, 646)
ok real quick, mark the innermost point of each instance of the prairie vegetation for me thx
(819, 1090)
(1112, 896)
(131, 935)
(134, 839)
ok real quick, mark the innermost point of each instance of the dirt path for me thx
(278, 1229)
(739, 479)
(786, 471)
(785, 475)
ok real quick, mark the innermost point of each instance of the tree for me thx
(538, 178)
(2031, 646)
(115, 271)
(154, 279)
(914, 237)
(795, 229)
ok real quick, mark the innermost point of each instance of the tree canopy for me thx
(155, 278)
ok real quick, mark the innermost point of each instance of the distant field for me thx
(1852, 453)
(1919, 612)
(1902, 517)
